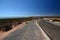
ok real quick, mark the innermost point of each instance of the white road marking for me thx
(43, 33)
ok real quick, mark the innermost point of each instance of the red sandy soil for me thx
(4, 34)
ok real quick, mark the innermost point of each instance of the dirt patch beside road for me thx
(4, 34)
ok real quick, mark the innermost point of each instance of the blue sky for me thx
(21, 8)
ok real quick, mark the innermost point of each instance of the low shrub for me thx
(7, 27)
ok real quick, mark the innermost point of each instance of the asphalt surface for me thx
(29, 32)
(53, 31)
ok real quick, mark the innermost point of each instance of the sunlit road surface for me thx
(29, 32)
(53, 31)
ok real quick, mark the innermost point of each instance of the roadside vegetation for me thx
(10, 23)
(7, 24)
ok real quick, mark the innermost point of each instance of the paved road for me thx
(29, 32)
(53, 31)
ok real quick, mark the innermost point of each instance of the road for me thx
(29, 32)
(53, 31)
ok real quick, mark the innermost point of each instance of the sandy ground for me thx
(4, 34)
(56, 23)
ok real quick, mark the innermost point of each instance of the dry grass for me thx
(4, 34)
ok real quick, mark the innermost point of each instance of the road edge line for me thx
(43, 33)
